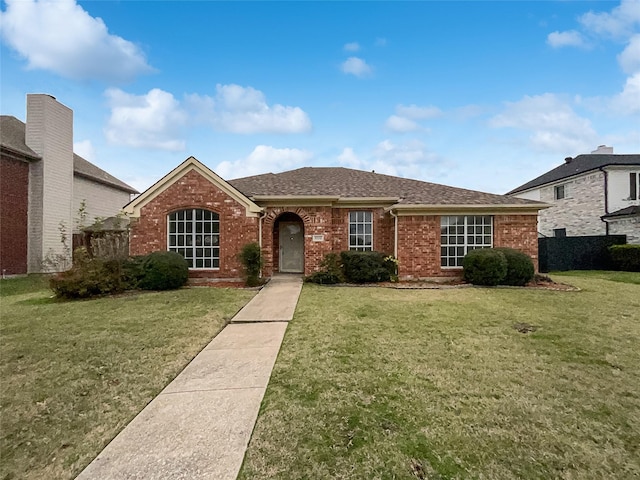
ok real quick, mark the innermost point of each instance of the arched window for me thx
(195, 234)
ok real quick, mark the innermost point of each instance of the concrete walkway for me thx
(200, 424)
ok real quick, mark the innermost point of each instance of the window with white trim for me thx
(361, 231)
(195, 234)
(559, 192)
(462, 233)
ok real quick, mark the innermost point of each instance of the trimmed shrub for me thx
(520, 269)
(485, 266)
(163, 271)
(89, 278)
(625, 257)
(251, 258)
(365, 267)
(330, 271)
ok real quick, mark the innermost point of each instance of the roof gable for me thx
(578, 166)
(190, 164)
(349, 185)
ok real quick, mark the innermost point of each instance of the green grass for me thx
(75, 373)
(623, 277)
(377, 383)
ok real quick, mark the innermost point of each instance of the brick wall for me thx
(149, 232)
(14, 184)
(580, 211)
(519, 232)
(419, 243)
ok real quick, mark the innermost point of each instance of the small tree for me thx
(251, 258)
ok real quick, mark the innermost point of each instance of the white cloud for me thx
(552, 123)
(418, 113)
(618, 23)
(264, 159)
(244, 110)
(570, 38)
(85, 149)
(629, 59)
(401, 124)
(351, 47)
(154, 120)
(60, 36)
(349, 159)
(627, 102)
(356, 66)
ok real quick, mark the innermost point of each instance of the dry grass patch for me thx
(74, 373)
(380, 383)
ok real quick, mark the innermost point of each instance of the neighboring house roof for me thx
(576, 166)
(84, 168)
(12, 136)
(632, 211)
(347, 183)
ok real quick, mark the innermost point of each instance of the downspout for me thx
(606, 198)
(395, 233)
(260, 218)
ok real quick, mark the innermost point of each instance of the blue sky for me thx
(481, 95)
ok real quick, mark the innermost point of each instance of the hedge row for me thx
(626, 257)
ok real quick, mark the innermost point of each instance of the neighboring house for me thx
(44, 184)
(301, 215)
(591, 194)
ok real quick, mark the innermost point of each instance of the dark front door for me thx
(291, 247)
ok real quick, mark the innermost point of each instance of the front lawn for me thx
(438, 384)
(75, 373)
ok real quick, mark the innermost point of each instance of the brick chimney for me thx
(49, 133)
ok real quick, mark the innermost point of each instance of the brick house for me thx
(44, 183)
(591, 194)
(301, 215)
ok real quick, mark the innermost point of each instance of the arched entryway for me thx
(288, 243)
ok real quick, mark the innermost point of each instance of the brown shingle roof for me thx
(349, 183)
(12, 136)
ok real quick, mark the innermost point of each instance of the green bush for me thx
(365, 267)
(330, 271)
(485, 266)
(625, 257)
(89, 278)
(251, 258)
(520, 269)
(163, 271)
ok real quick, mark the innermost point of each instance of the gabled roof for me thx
(350, 184)
(134, 206)
(577, 166)
(12, 137)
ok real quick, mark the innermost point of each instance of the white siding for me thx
(618, 182)
(101, 200)
(49, 132)
(530, 195)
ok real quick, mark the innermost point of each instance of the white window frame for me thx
(360, 219)
(459, 234)
(196, 239)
